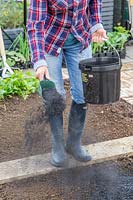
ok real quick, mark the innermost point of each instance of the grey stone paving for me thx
(127, 76)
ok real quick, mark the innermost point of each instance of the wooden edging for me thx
(40, 165)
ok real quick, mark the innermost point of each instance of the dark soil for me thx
(24, 129)
(105, 181)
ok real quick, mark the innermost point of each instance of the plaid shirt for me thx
(50, 22)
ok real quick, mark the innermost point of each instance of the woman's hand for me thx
(99, 36)
(42, 72)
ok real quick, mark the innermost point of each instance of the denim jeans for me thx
(72, 54)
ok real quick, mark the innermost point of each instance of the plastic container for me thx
(101, 79)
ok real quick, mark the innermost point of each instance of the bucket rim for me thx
(100, 64)
(95, 60)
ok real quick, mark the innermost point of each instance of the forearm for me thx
(35, 30)
(36, 44)
(95, 19)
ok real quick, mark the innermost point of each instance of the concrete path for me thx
(127, 76)
(39, 164)
(129, 55)
(127, 85)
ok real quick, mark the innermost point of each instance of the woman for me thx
(64, 27)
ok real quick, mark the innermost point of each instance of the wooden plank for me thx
(39, 164)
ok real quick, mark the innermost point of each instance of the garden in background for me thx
(19, 92)
(24, 128)
(18, 53)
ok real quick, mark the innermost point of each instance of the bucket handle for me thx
(106, 40)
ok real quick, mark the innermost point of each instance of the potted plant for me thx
(123, 34)
(116, 40)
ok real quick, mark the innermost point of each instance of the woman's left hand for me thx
(99, 36)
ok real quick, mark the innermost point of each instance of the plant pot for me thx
(26, 65)
(108, 54)
(105, 54)
(102, 54)
(10, 35)
(122, 53)
(96, 55)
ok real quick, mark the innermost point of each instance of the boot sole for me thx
(55, 164)
(77, 158)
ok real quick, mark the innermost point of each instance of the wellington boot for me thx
(75, 130)
(59, 156)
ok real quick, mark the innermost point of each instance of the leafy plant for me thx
(123, 35)
(18, 84)
(11, 14)
(14, 59)
(121, 29)
(21, 45)
(117, 39)
(98, 47)
(19, 56)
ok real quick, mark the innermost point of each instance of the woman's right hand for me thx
(42, 72)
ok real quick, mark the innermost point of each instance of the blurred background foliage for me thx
(12, 13)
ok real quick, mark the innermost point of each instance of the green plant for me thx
(18, 84)
(11, 14)
(98, 47)
(117, 39)
(19, 56)
(14, 59)
(121, 29)
(123, 35)
(21, 45)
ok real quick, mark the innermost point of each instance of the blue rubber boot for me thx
(75, 130)
(59, 156)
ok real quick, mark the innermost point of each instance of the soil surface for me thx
(24, 131)
(24, 128)
(105, 181)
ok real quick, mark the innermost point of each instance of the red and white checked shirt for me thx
(50, 22)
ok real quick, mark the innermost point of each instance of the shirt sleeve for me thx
(35, 29)
(95, 19)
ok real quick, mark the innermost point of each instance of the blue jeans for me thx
(72, 54)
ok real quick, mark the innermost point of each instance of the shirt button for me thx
(74, 14)
(59, 50)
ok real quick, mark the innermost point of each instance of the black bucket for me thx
(101, 79)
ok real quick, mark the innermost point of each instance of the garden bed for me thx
(24, 119)
(24, 129)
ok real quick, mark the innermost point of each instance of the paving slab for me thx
(129, 55)
(127, 85)
(40, 165)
